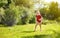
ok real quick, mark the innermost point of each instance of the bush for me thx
(10, 17)
(23, 19)
(3, 2)
(1, 14)
(58, 19)
(32, 20)
(25, 15)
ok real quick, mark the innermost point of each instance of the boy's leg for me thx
(40, 26)
(35, 26)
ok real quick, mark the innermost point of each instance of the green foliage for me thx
(58, 19)
(24, 15)
(32, 20)
(1, 13)
(26, 3)
(58, 12)
(44, 11)
(50, 12)
(17, 10)
(10, 17)
(3, 2)
(53, 8)
(22, 11)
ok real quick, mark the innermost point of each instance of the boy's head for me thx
(36, 11)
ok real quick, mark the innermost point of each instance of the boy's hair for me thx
(36, 11)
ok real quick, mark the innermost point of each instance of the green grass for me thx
(26, 31)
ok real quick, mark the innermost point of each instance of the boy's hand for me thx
(39, 19)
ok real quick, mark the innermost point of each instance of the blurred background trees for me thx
(23, 11)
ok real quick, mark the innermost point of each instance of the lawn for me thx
(27, 31)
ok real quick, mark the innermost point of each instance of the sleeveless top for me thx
(38, 17)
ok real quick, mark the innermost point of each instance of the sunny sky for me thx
(48, 1)
(52, 0)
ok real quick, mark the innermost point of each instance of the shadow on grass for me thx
(38, 36)
(1, 25)
(27, 31)
(54, 35)
(58, 35)
(42, 36)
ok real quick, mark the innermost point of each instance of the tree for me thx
(7, 5)
(53, 8)
(26, 3)
(11, 16)
(1, 13)
(3, 2)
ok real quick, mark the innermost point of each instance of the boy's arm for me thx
(41, 18)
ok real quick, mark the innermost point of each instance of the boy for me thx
(38, 20)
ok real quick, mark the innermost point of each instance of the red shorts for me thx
(39, 21)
